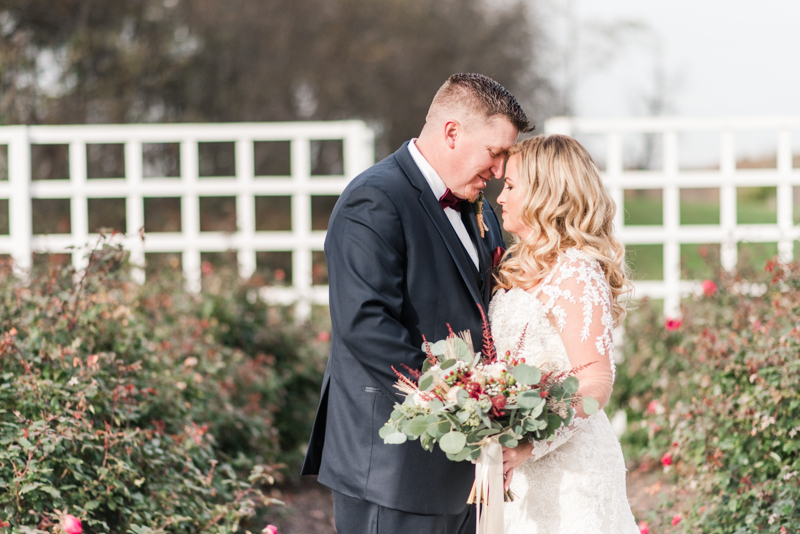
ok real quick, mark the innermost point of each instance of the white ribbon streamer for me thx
(487, 492)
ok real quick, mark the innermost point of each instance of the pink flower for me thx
(652, 407)
(71, 524)
(324, 336)
(709, 288)
(644, 528)
(271, 529)
(673, 324)
(676, 519)
(206, 268)
(666, 459)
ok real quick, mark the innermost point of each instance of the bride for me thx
(561, 283)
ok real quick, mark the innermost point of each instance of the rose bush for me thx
(715, 403)
(141, 409)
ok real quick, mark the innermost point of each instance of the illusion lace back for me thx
(576, 482)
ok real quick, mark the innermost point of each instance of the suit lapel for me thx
(439, 220)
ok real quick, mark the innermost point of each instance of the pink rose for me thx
(676, 519)
(709, 288)
(271, 529)
(71, 524)
(673, 324)
(644, 528)
(666, 459)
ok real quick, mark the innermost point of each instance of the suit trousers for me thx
(356, 516)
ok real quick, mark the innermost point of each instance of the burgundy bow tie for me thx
(449, 200)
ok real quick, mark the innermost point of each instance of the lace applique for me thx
(576, 481)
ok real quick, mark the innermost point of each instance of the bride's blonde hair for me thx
(565, 206)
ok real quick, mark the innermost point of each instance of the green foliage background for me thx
(147, 408)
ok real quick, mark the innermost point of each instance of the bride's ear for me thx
(452, 130)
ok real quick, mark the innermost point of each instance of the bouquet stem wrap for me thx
(487, 491)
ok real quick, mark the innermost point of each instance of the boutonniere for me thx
(477, 207)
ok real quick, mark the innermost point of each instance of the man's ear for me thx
(452, 129)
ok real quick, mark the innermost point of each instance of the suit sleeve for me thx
(366, 253)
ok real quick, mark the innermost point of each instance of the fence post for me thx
(190, 214)
(79, 209)
(134, 207)
(19, 205)
(785, 196)
(727, 201)
(671, 221)
(301, 226)
(245, 207)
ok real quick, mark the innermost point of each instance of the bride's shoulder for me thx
(575, 260)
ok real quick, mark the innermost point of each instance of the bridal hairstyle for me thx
(479, 95)
(565, 206)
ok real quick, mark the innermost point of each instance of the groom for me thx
(406, 257)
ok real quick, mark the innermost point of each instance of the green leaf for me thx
(529, 399)
(29, 487)
(465, 453)
(418, 426)
(51, 490)
(426, 382)
(453, 442)
(395, 439)
(570, 385)
(447, 364)
(462, 416)
(527, 374)
(590, 405)
(386, 430)
(435, 406)
(438, 348)
(509, 441)
(463, 351)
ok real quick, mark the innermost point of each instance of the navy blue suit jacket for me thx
(397, 271)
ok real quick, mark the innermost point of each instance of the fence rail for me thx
(20, 190)
(670, 178)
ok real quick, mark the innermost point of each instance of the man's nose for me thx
(497, 169)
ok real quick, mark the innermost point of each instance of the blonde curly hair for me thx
(565, 206)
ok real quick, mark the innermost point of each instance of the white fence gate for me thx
(357, 153)
(671, 179)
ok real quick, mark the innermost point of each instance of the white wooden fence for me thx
(358, 154)
(245, 186)
(670, 178)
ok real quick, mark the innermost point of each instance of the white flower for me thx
(495, 370)
(420, 400)
(452, 395)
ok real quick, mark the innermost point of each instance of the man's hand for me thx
(513, 458)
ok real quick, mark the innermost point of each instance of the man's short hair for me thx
(481, 95)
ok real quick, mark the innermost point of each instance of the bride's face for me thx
(512, 199)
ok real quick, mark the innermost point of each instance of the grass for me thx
(755, 205)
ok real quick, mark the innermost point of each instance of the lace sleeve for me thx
(578, 299)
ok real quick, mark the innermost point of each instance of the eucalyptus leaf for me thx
(527, 374)
(426, 382)
(570, 385)
(462, 396)
(453, 442)
(435, 406)
(447, 364)
(529, 399)
(395, 439)
(590, 405)
(463, 416)
(439, 348)
(464, 454)
(507, 440)
(386, 430)
(418, 426)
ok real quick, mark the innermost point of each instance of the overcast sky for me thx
(719, 58)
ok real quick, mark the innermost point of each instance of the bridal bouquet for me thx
(473, 404)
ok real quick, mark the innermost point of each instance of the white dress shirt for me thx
(439, 189)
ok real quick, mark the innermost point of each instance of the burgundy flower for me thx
(497, 256)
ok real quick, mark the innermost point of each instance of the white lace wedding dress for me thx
(574, 484)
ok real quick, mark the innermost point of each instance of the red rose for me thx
(71, 524)
(709, 288)
(676, 519)
(666, 459)
(673, 324)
